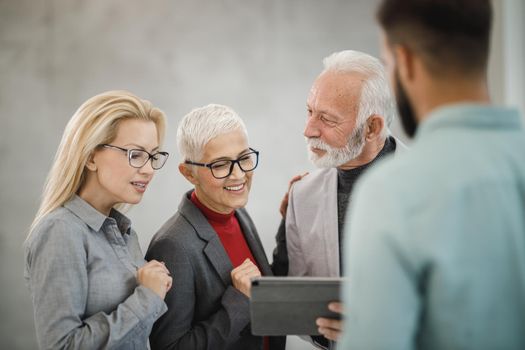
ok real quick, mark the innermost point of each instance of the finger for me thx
(249, 271)
(157, 269)
(253, 272)
(155, 263)
(330, 333)
(245, 276)
(336, 307)
(246, 265)
(239, 268)
(284, 205)
(329, 323)
(162, 265)
(295, 179)
(169, 283)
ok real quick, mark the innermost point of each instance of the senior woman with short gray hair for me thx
(211, 244)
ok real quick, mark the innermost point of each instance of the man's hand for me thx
(330, 328)
(284, 202)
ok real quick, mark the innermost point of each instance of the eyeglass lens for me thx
(138, 159)
(224, 168)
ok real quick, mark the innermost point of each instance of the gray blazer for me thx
(204, 310)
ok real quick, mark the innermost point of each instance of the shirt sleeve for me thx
(58, 280)
(177, 329)
(296, 261)
(380, 294)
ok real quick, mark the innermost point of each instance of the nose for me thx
(237, 172)
(147, 168)
(311, 129)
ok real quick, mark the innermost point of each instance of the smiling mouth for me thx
(234, 188)
(139, 185)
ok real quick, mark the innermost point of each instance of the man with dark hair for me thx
(435, 257)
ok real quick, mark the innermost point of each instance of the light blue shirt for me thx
(436, 249)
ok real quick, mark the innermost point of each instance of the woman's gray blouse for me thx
(80, 267)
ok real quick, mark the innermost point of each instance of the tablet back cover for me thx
(290, 305)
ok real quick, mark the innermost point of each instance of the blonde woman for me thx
(89, 283)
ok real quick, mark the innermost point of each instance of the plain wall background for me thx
(260, 57)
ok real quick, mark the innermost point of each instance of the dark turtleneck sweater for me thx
(346, 180)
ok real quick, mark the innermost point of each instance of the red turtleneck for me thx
(229, 232)
(232, 239)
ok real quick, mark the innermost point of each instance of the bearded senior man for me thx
(350, 107)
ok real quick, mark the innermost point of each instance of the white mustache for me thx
(317, 143)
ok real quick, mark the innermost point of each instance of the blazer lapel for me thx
(250, 234)
(219, 259)
(331, 229)
(213, 250)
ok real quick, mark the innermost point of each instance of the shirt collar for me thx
(475, 116)
(95, 219)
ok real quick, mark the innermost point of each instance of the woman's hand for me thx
(242, 276)
(155, 276)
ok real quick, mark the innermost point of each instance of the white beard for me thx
(335, 157)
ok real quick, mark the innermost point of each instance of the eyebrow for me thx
(140, 147)
(228, 158)
(326, 112)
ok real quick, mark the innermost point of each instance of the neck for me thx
(92, 194)
(369, 153)
(446, 92)
(208, 203)
(95, 200)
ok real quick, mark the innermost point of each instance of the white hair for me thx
(376, 96)
(203, 124)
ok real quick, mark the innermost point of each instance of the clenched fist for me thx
(242, 276)
(155, 276)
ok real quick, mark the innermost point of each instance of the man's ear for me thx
(404, 58)
(187, 172)
(90, 164)
(374, 127)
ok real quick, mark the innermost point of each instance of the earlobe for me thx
(187, 172)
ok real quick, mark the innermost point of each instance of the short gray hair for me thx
(203, 124)
(376, 95)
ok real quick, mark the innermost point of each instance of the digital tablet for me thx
(290, 305)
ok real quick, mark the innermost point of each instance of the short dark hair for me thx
(451, 36)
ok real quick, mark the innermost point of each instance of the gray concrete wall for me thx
(258, 56)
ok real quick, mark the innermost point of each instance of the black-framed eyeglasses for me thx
(138, 158)
(221, 169)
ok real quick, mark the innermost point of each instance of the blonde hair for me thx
(94, 123)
